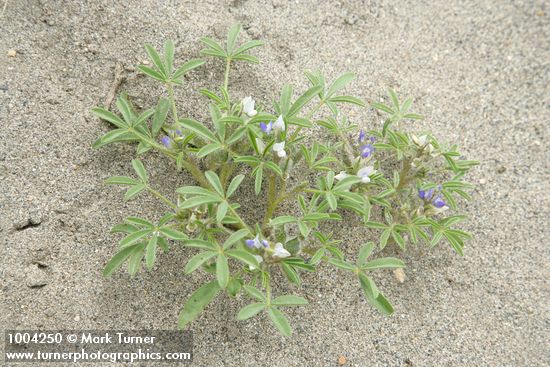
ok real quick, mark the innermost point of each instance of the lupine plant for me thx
(403, 188)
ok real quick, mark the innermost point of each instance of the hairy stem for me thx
(190, 165)
(170, 89)
(162, 197)
(271, 199)
(225, 173)
(348, 147)
(309, 116)
(241, 221)
(403, 179)
(226, 78)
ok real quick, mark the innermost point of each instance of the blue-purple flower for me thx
(278, 125)
(367, 150)
(438, 202)
(426, 194)
(166, 141)
(363, 137)
(266, 128)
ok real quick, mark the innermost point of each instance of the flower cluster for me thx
(270, 128)
(176, 135)
(277, 251)
(431, 196)
(367, 147)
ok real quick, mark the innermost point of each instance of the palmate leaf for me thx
(197, 302)
(213, 46)
(232, 37)
(135, 237)
(155, 58)
(110, 117)
(250, 310)
(290, 300)
(208, 149)
(199, 200)
(244, 257)
(117, 261)
(385, 262)
(214, 180)
(254, 293)
(133, 191)
(196, 261)
(187, 67)
(234, 185)
(134, 261)
(348, 99)
(339, 83)
(247, 46)
(172, 233)
(280, 321)
(231, 51)
(303, 100)
(234, 238)
(259, 173)
(139, 222)
(364, 253)
(140, 170)
(121, 180)
(374, 297)
(151, 252)
(114, 136)
(197, 190)
(221, 211)
(151, 73)
(159, 117)
(222, 271)
(169, 56)
(245, 57)
(199, 129)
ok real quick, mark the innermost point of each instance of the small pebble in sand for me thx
(399, 275)
(12, 53)
(342, 360)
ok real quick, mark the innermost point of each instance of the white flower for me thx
(261, 145)
(279, 124)
(365, 172)
(279, 148)
(259, 259)
(341, 175)
(248, 106)
(420, 141)
(280, 251)
(431, 150)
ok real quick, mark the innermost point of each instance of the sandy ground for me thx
(480, 74)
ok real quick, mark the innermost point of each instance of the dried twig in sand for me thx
(117, 81)
(4, 8)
